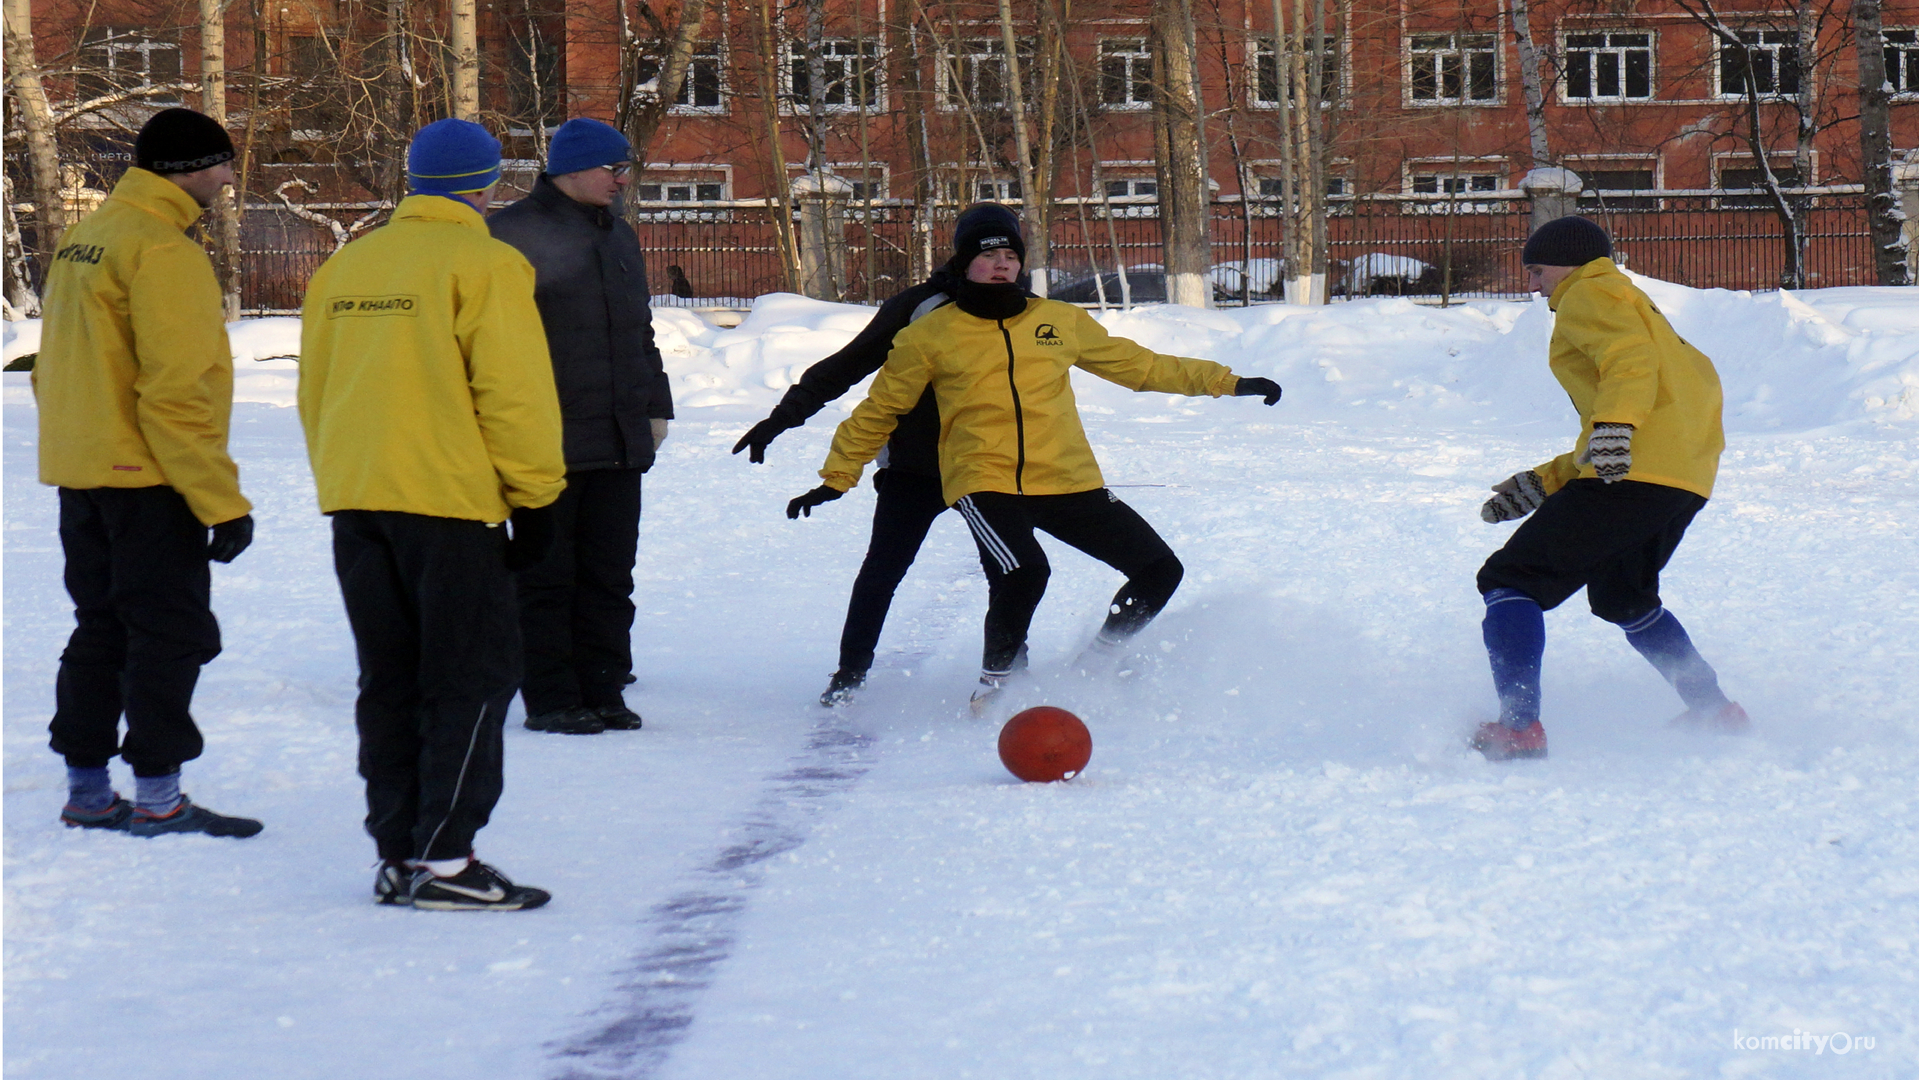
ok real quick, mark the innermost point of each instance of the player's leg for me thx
(1099, 524)
(903, 512)
(1016, 575)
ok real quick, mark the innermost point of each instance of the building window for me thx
(1748, 185)
(703, 89)
(850, 68)
(1272, 187)
(1125, 73)
(654, 190)
(1608, 67)
(1902, 61)
(1269, 89)
(1453, 69)
(1770, 61)
(1454, 184)
(117, 58)
(1617, 188)
(1132, 189)
(975, 74)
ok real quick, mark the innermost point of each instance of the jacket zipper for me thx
(1019, 416)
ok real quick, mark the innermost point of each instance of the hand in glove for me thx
(1609, 451)
(230, 538)
(1518, 495)
(805, 503)
(1263, 388)
(659, 432)
(532, 536)
(759, 437)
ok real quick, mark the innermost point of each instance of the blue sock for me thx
(1661, 640)
(90, 790)
(1515, 632)
(157, 795)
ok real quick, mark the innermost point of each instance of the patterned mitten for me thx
(1609, 451)
(1517, 495)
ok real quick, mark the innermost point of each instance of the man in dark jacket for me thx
(576, 604)
(908, 480)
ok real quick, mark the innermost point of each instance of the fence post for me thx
(822, 197)
(1554, 193)
(1905, 181)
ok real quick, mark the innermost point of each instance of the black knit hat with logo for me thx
(983, 227)
(181, 141)
(1567, 241)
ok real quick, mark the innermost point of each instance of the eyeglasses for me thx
(619, 171)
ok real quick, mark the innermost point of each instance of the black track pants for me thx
(1095, 522)
(137, 572)
(1610, 539)
(905, 508)
(576, 605)
(431, 604)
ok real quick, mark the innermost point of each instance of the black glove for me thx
(532, 536)
(1265, 388)
(805, 503)
(759, 437)
(230, 538)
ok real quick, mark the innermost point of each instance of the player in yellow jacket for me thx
(431, 419)
(134, 384)
(1608, 514)
(1013, 454)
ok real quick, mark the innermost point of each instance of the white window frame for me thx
(1584, 164)
(966, 63)
(1461, 47)
(1333, 51)
(1905, 84)
(794, 102)
(664, 209)
(121, 42)
(1472, 170)
(1780, 43)
(1138, 62)
(713, 50)
(853, 172)
(1618, 52)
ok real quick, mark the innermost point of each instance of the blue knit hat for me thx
(582, 143)
(452, 157)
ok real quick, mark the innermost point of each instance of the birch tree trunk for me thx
(36, 116)
(1182, 176)
(644, 121)
(777, 182)
(1885, 216)
(1032, 221)
(465, 41)
(1531, 86)
(919, 105)
(224, 214)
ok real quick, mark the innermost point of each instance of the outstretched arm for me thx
(1136, 367)
(895, 391)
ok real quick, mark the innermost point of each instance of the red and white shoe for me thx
(1501, 743)
(1727, 719)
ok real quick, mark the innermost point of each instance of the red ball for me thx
(1044, 744)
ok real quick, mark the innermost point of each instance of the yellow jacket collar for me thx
(1601, 265)
(159, 196)
(439, 208)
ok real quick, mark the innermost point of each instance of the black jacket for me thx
(592, 292)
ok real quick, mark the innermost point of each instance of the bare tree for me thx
(1031, 197)
(1887, 218)
(668, 54)
(1179, 151)
(36, 116)
(464, 36)
(1530, 85)
(225, 215)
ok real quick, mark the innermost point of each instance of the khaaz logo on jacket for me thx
(84, 253)
(398, 304)
(1047, 334)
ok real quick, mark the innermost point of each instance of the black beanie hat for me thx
(981, 228)
(1567, 241)
(181, 141)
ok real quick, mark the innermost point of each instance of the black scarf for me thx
(990, 300)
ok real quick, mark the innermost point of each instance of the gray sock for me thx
(90, 790)
(157, 795)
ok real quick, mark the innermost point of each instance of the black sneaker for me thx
(618, 717)
(114, 817)
(567, 722)
(393, 883)
(189, 818)
(840, 689)
(479, 887)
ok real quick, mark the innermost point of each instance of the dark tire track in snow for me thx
(694, 932)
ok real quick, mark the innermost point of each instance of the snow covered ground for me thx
(1280, 863)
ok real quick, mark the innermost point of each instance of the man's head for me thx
(454, 157)
(589, 160)
(189, 148)
(987, 246)
(1561, 246)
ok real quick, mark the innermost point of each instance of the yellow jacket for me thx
(1621, 363)
(1008, 420)
(424, 380)
(135, 377)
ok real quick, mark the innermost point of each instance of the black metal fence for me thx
(1425, 246)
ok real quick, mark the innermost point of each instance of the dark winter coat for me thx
(592, 293)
